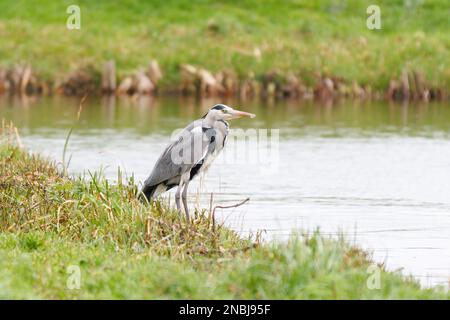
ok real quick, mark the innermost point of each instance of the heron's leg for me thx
(184, 199)
(177, 196)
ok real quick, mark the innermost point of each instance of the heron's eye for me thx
(224, 111)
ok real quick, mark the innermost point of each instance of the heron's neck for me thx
(209, 121)
(225, 123)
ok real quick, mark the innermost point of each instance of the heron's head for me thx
(224, 112)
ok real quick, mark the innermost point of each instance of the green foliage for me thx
(301, 36)
(126, 249)
(30, 242)
(37, 197)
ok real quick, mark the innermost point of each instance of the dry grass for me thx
(36, 196)
(128, 249)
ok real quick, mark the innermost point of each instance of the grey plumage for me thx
(191, 153)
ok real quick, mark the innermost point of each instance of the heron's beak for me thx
(236, 114)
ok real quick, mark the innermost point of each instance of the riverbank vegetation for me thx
(64, 237)
(306, 49)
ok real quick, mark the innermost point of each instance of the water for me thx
(378, 173)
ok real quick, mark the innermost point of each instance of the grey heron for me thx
(191, 153)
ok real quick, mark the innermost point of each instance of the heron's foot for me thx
(182, 194)
(181, 208)
(186, 211)
(180, 211)
(178, 204)
(186, 208)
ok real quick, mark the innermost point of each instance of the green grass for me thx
(126, 249)
(305, 37)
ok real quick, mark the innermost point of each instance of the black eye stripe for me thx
(218, 107)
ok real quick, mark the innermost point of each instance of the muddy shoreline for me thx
(197, 81)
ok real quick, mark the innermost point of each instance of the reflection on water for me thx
(379, 173)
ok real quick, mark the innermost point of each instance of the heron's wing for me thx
(188, 148)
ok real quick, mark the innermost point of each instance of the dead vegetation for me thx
(195, 80)
(36, 196)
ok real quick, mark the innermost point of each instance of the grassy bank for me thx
(306, 38)
(50, 224)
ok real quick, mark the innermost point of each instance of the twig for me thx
(232, 251)
(226, 207)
